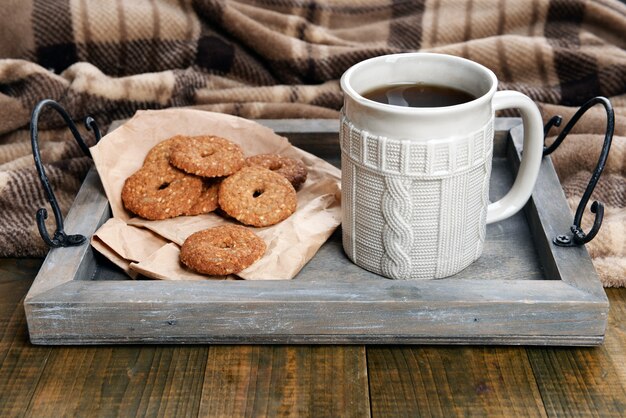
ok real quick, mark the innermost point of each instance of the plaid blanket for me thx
(282, 59)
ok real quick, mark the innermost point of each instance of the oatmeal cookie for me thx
(222, 250)
(257, 196)
(159, 191)
(160, 153)
(293, 170)
(207, 202)
(207, 156)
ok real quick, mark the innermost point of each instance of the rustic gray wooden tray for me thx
(523, 290)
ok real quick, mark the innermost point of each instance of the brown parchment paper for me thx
(290, 244)
(114, 257)
(123, 244)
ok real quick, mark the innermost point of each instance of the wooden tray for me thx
(523, 290)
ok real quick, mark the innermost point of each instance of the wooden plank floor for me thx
(316, 381)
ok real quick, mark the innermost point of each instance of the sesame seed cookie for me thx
(159, 191)
(207, 156)
(222, 250)
(207, 202)
(293, 170)
(160, 153)
(257, 196)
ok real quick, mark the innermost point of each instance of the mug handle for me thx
(524, 183)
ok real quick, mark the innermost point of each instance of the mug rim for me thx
(354, 95)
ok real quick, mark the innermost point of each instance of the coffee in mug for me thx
(418, 95)
(415, 178)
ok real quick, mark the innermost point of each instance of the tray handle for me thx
(60, 238)
(578, 236)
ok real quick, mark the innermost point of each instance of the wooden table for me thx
(314, 381)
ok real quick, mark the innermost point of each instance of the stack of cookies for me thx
(195, 175)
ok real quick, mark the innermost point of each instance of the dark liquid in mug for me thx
(418, 95)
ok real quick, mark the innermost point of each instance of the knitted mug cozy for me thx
(414, 209)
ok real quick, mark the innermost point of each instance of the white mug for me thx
(415, 180)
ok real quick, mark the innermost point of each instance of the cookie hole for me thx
(164, 186)
(207, 153)
(275, 166)
(225, 244)
(257, 193)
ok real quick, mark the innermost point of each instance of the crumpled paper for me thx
(151, 248)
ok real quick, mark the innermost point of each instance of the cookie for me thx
(160, 153)
(159, 191)
(222, 250)
(257, 196)
(207, 202)
(207, 156)
(293, 170)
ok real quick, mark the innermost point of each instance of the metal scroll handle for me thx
(60, 238)
(578, 236)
